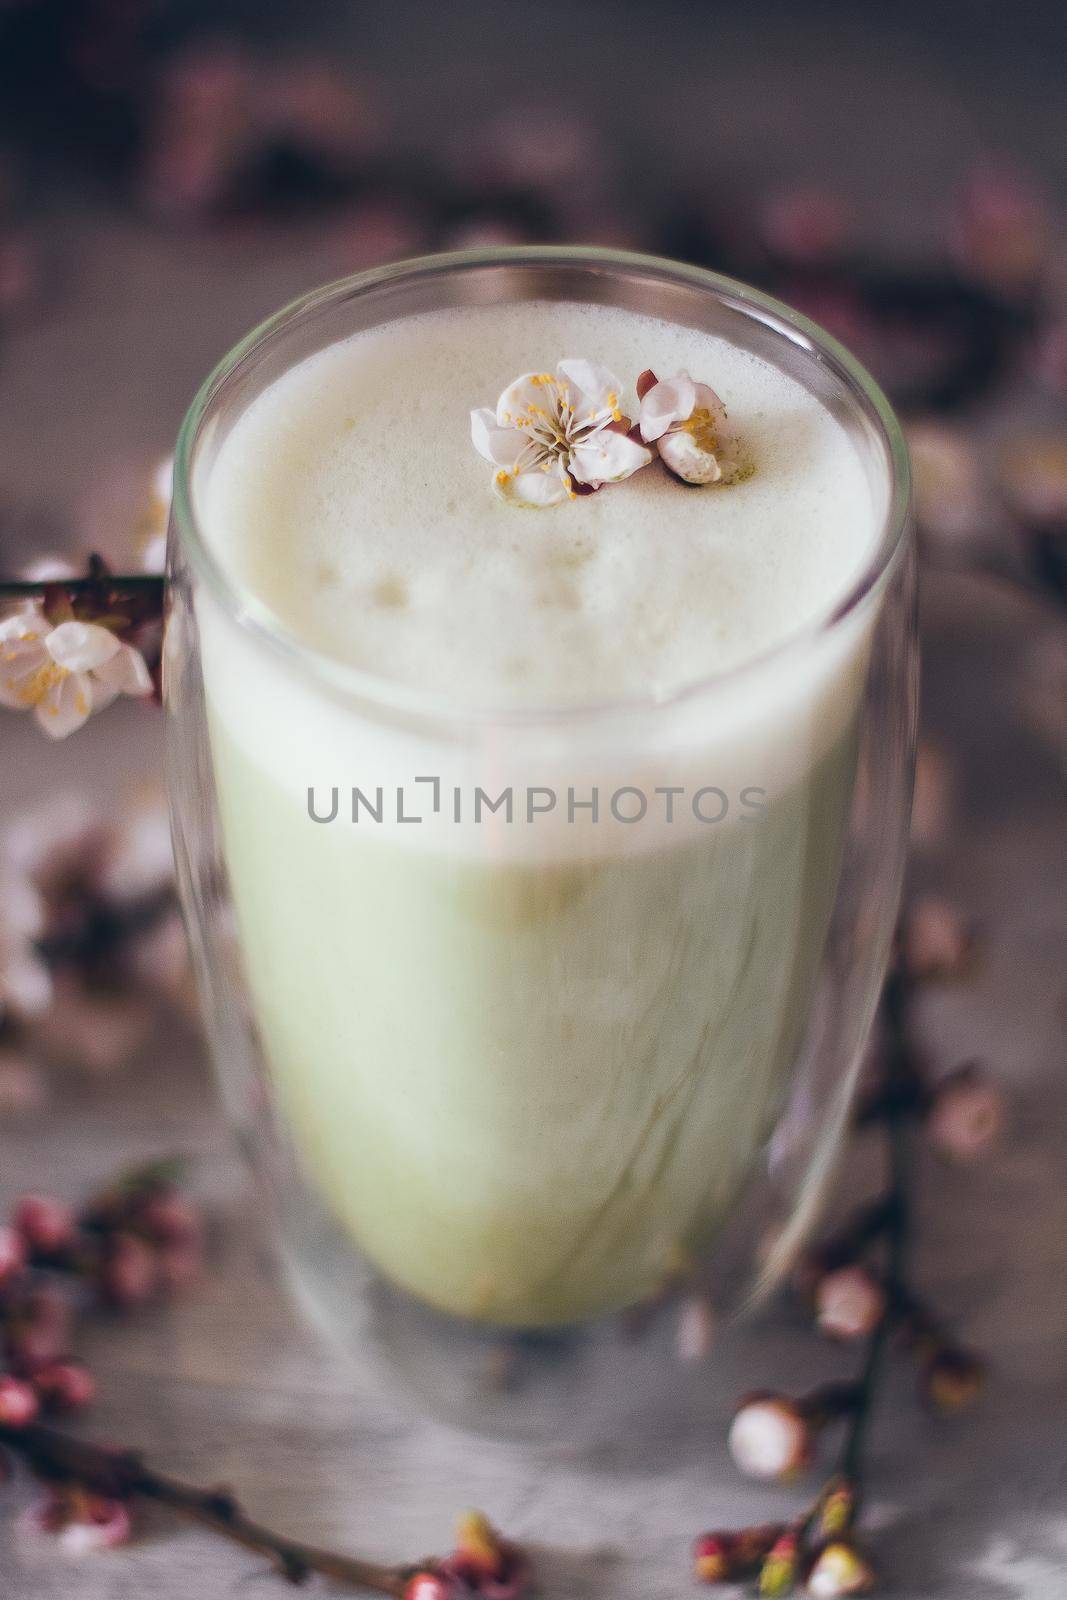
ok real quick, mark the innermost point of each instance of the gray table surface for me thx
(229, 1385)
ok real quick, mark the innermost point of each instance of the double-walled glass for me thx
(522, 1013)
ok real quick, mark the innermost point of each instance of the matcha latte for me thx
(534, 831)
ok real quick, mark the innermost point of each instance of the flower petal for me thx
(598, 388)
(667, 402)
(81, 646)
(65, 704)
(499, 445)
(532, 389)
(706, 396)
(537, 489)
(24, 668)
(124, 673)
(608, 457)
(23, 627)
(681, 453)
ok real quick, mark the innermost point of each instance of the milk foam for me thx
(349, 497)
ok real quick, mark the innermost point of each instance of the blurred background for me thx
(172, 172)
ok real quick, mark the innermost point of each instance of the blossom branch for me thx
(122, 1475)
(775, 1435)
(149, 584)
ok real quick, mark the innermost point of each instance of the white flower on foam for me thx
(65, 673)
(687, 423)
(554, 436)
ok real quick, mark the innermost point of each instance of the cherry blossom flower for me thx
(554, 437)
(65, 673)
(687, 423)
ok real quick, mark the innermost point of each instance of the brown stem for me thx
(122, 1475)
(899, 1067)
(867, 1224)
(829, 1402)
(137, 583)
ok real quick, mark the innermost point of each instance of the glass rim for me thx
(257, 618)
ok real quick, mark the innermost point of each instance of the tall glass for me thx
(520, 1014)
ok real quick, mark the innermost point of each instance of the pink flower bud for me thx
(169, 1218)
(770, 1437)
(712, 1557)
(38, 1329)
(18, 1402)
(967, 1114)
(128, 1274)
(12, 1255)
(934, 798)
(723, 1557)
(45, 1223)
(935, 941)
(779, 1571)
(64, 1386)
(102, 1524)
(839, 1569)
(485, 1562)
(430, 1586)
(849, 1303)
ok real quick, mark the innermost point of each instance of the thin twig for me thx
(34, 589)
(58, 1457)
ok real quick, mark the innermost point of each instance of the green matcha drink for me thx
(526, 1061)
